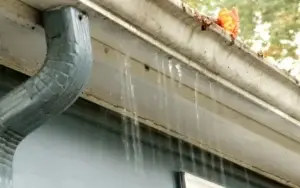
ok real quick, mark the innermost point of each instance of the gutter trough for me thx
(191, 84)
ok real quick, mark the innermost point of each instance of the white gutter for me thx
(243, 114)
(233, 66)
(247, 81)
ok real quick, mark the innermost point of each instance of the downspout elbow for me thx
(53, 89)
(60, 81)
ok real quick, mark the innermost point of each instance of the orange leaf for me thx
(229, 20)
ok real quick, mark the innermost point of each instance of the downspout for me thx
(53, 89)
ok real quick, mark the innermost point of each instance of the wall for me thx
(86, 147)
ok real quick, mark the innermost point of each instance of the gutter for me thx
(232, 65)
(54, 88)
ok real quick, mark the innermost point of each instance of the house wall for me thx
(86, 147)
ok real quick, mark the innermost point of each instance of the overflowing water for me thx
(131, 125)
(216, 138)
(170, 80)
(163, 97)
(198, 121)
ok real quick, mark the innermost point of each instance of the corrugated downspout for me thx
(53, 89)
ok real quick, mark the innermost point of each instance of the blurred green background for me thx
(271, 26)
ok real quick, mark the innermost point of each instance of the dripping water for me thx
(223, 177)
(177, 107)
(174, 104)
(247, 178)
(203, 158)
(131, 126)
(158, 96)
(179, 72)
(165, 104)
(125, 115)
(216, 138)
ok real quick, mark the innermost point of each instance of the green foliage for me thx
(283, 16)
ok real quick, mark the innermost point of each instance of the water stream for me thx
(165, 102)
(170, 80)
(216, 137)
(198, 126)
(131, 124)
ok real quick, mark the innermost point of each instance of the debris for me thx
(260, 54)
(205, 21)
(229, 20)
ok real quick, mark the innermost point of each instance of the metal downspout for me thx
(53, 89)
